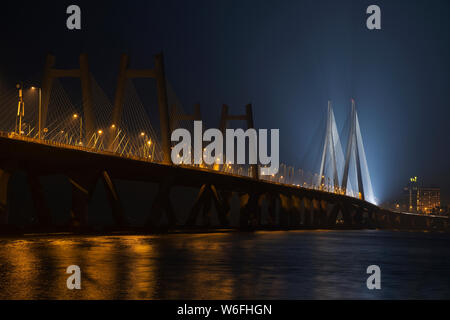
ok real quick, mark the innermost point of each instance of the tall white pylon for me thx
(355, 151)
(332, 155)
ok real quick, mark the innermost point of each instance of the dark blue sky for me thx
(286, 57)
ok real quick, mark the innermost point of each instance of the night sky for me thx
(288, 58)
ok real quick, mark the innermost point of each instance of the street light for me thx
(20, 109)
(40, 113)
(148, 143)
(76, 116)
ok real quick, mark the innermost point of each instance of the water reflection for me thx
(278, 265)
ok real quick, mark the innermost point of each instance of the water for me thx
(262, 265)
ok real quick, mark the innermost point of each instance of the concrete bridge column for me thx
(161, 204)
(208, 194)
(198, 204)
(347, 214)
(83, 186)
(406, 221)
(316, 217)
(296, 211)
(428, 222)
(358, 216)
(374, 218)
(114, 201)
(4, 183)
(371, 218)
(394, 220)
(413, 223)
(382, 219)
(257, 217)
(307, 205)
(222, 204)
(249, 209)
(323, 213)
(390, 219)
(40, 205)
(423, 222)
(271, 208)
(331, 221)
(285, 210)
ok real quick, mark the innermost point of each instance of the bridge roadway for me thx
(287, 205)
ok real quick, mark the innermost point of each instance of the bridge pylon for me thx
(330, 145)
(50, 73)
(355, 151)
(157, 73)
(196, 116)
(248, 117)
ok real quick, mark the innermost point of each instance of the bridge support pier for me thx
(207, 194)
(331, 221)
(347, 214)
(43, 215)
(197, 206)
(358, 216)
(82, 188)
(114, 201)
(323, 212)
(385, 219)
(83, 185)
(271, 208)
(296, 211)
(4, 183)
(316, 212)
(307, 205)
(222, 207)
(250, 211)
(162, 204)
(225, 197)
(370, 217)
(285, 210)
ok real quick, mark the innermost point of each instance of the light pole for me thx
(40, 111)
(20, 110)
(75, 116)
(147, 145)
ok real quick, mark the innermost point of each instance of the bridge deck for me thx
(47, 158)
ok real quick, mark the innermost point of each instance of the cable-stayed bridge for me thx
(44, 133)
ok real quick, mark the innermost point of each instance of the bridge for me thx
(100, 141)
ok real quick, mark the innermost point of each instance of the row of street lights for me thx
(21, 113)
(75, 116)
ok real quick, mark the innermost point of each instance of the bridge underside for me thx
(283, 206)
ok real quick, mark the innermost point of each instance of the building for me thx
(408, 197)
(428, 200)
(419, 199)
